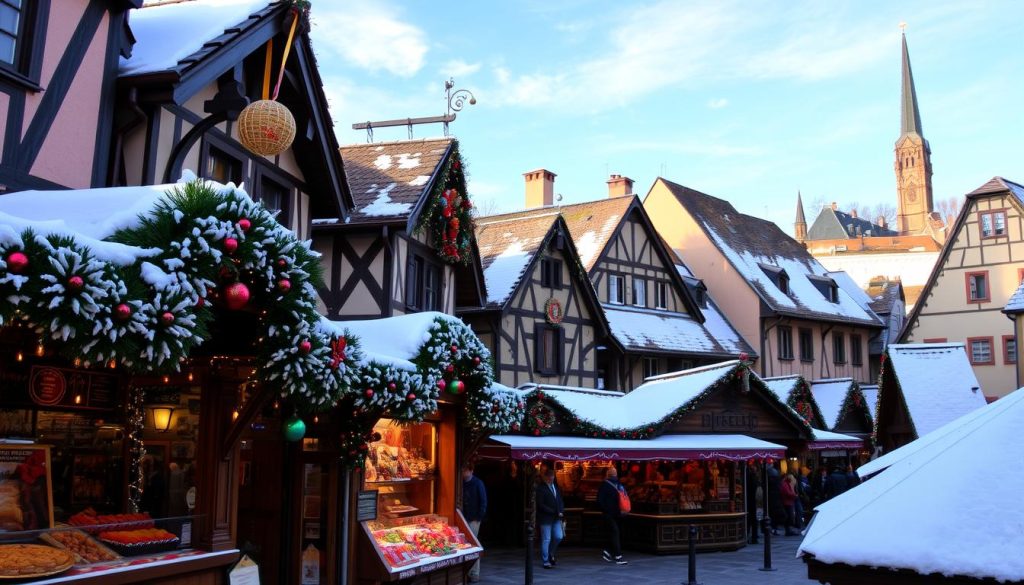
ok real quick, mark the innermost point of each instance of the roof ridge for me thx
(397, 142)
(486, 220)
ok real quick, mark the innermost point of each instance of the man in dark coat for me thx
(550, 510)
(776, 511)
(835, 484)
(608, 502)
(474, 508)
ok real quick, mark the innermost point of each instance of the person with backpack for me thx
(613, 502)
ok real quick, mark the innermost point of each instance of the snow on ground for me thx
(937, 382)
(167, 34)
(933, 510)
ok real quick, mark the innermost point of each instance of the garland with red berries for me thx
(447, 217)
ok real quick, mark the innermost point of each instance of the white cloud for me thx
(369, 35)
(718, 103)
(459, 68)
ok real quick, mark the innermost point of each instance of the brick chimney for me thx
(619, 186)
(835, 206)
(540, 188)
(881, 222)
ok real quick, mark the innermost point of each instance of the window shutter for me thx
(559, 352)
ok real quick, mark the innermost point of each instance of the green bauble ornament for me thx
(294, 429)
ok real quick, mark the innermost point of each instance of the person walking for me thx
(789, 497)
(753, 484)
(852, 479)
(773, 491)
(474, 508)
(609, 499)
(836, 483)
(550, 509)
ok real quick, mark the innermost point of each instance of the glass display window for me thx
(402, 542)
(402, 468)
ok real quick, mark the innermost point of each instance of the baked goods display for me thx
(85, 549)
(139, 541)
(94, 523)
(417, 538)
(24, 561)
(394, 458)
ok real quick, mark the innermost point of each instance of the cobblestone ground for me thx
(584, 566)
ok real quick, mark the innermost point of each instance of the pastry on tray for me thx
(33, 560)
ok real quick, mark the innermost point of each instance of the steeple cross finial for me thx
(903, 26)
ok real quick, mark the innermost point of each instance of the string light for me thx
(190, 377)
(20, 357)
(40, 350)
(167, 379)
(136, 448)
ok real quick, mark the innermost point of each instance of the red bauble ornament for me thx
(494, 409)
(244, 224)
(16, 262)
(369, 392)
(536, 432)
(123, 312)
(75, 283)
(200, 303)
(281, 263)
(515, 427)
(455, 348)
(305, 347)
(236, 296)
(230, 245)
(476, 361)
(441, 384)
(167, 319)
(411, 396)
(392, 386)
(284, 285)
(449, 368)
(467, 204)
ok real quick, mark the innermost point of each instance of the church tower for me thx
(913, 161)
(800, 225)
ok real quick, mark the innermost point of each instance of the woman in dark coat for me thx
(776, 510)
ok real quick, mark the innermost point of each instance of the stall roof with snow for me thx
(795, 391)
(842, 405)
(977, 535)
(922, 387)
(783, 274)
(708, 399)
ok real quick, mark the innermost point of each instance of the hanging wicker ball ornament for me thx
(266, 127)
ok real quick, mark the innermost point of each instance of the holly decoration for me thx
(447, 217)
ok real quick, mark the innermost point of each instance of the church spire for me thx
(910, 117)
(800, 225)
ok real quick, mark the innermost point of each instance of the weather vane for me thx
(455, 100)
(903, 26)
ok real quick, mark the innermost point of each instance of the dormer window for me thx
(777, 275)
(701, 295)
(826, 286)
(833, 293)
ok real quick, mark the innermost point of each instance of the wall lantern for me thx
(162, 415)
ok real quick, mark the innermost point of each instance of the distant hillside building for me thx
(868, 247)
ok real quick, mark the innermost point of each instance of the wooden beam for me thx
(252, 408)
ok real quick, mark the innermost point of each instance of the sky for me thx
(747, 101)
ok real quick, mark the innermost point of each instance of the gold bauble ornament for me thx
(266, 128)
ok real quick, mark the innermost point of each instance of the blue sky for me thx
(748, 101)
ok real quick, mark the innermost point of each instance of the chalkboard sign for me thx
(366, 509)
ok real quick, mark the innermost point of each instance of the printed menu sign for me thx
(52, 386)
(366, 507)
(26, 498)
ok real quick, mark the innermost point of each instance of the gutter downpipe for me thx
(824, 362)
(764, 339)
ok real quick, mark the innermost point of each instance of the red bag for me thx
(624, 505)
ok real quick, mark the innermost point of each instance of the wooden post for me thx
(216, 485)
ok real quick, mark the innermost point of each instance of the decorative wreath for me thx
(540, 418)
(553, 312)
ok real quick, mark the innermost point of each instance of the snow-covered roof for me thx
(733, 447)
(759, 251)
(653, 330)
(388, 179)
(1016, 302)
(978, 532)
(783, 386)
(830, 394)
(393, 340)
(870, 394)
(507, 247)
(168, 34)
(847, 284)
(937, 382)
(830, 440)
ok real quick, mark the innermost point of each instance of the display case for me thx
(423, 543)
(401, 468)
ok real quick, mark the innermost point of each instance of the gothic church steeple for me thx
(913, 163)
(800, 225)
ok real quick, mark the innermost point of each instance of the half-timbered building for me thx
(179, 96)
(58, 76)
(542, 319)
(976, 274)
(776, 294)
(388, 255)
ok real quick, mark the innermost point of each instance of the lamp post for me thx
(162, 415)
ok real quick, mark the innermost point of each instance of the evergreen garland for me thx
(447, 217)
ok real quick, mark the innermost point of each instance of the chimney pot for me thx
(853, 213)
(619, 186)
(834, 206)
(540, 188)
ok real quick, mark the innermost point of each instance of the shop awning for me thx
(733, 447)
(829, 440)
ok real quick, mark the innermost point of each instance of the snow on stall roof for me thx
(820, 435)
(531, 386)
(639, 329)
(88, 215)
(649, 403)
(937, 381)
(661, 447)
(979, 531)
(870, 393)
(391, 340)
(166, 34)
(1016, 302)
(830, 394)
(782, 386)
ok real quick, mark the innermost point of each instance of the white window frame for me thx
(639, 300)
(616, 289)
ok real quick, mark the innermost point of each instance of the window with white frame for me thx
(639, 292)
(651, 367)
(661, 295)
(616, 289)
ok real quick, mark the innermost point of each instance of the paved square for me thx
(584, 565)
